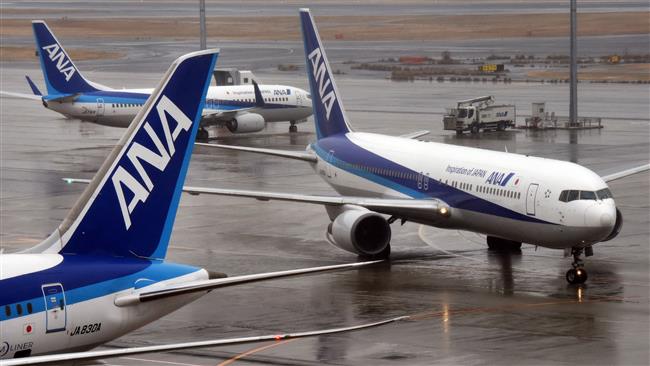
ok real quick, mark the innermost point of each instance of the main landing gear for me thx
(503, 245)
(578, 275)
(203, 134)
(293, 128)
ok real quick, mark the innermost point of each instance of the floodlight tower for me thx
(202, 23)
(573, 98)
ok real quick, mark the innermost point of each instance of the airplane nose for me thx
(606, 219)
(600, 215)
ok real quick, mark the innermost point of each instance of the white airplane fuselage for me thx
(117, 108)
(80, 312)
(500, 194)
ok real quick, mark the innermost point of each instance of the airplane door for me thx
(100, 107)
(530, 198)
(55, 312)
(328, 166)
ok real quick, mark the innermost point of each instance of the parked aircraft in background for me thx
(511, 198)
(102, 273)
(234, 106)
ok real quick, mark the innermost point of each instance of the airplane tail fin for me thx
(33, 87)
(329, 113)
(61, 75)
(129, 207)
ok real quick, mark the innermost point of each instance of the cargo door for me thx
(530, 198)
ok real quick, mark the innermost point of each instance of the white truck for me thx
(479, 114)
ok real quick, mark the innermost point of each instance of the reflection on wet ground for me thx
(468, 305)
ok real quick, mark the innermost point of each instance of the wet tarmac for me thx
(467, 305)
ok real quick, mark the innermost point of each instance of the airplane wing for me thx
(208, 285)
(415, 135)
(92, 355)
(299, 155)
(401, 207)
(625, 173)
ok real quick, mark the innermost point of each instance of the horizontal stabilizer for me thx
(198, 286)
(298, 155)
(7, 94)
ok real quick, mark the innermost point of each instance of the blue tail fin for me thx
(61, 75)
(33, 86)
(329, 113)
(129, 207)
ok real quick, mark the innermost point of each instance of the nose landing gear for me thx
(577, 274)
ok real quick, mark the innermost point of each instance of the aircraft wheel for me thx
(203, 134)
(576, 276)
(293, 128)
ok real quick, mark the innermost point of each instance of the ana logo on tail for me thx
(63, 64)
(138, 153)
(320, 71)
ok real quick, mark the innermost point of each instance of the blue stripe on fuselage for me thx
(84, 278)
(347, 156)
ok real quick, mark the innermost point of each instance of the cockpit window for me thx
(587, 195)
(574, 194)
(604, 193)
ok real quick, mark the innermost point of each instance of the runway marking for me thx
(255, 350)
(159, 361)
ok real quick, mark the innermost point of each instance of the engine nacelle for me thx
(617, 226)
(249, 122)
(360, 231)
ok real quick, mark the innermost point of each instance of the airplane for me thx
(511, 198)
(233, 106)
(102, 273)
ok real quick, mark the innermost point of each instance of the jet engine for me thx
(617, 226)
(360, 231)
(249, 122)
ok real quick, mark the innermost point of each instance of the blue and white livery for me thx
(102, 273)
(234, 107)
(510, 198)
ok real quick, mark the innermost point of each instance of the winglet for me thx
(129, 207)
(259, 99)
(33, 87)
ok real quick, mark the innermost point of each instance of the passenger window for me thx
(587, 195)
(29, 308)
(572, 196)
(7, 310)
(564, 195)
(19, 309)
